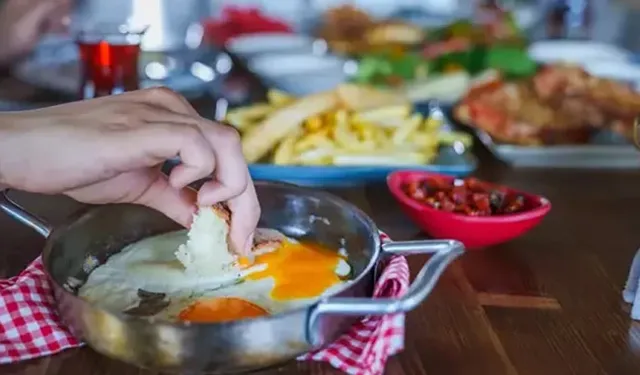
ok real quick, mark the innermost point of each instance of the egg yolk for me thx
(299, 270)
(221, 310)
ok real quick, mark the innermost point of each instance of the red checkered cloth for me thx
(29, 326)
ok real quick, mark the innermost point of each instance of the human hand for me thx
(110, 150)
(24, 22)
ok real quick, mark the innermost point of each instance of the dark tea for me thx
(109, 61)
(108, 69)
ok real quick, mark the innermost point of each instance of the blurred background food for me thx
(483, 66)
(482, 62)
(461, 49)
(560, 104)
(351, 31)
(420, 62)
(235, 21)
(351, 125)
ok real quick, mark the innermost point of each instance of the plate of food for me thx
(475, 212)
(351, 135)
(447, 60)
(576, 52)
(351, 31)
(299, 73)
(560, 116)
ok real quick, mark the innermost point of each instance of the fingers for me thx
(168, 126)
(177, 204)
(150, 145)
(232, 181)
(224, 155)
(146, 186)
(245, 214)
(231, 177)
(197, 158)
(165, 98)
(231, 172)
(233, 184)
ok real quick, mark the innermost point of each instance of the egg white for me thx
(151, 265)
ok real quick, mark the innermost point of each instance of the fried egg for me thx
(178, 276)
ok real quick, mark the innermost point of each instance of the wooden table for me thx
(547, 303)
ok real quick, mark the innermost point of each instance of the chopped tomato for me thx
(489, 117)
(467, 197)
(442, 48)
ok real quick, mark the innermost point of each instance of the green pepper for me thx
(407, 66)
(472, 60)
(514, 62)
(476, 59)
(372, 66)
(435, 35)
(382, 68)
(460, 29)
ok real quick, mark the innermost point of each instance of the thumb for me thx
(177, 204)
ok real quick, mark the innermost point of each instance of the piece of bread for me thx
(208, 248)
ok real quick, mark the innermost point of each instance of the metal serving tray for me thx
(606, 150)
(587, 156)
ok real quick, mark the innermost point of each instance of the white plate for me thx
(275, 65)
(251, 45)
(617, 70)
(578, 52)
(299, 74)
(526, 16)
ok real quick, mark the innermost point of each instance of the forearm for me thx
(6, 147)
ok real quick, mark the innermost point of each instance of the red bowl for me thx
(474, 231)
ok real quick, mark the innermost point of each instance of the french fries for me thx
(260, 139)
(349, 126)
(244, 118)
(278, 98)
(363, 97)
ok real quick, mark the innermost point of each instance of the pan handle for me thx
(19, 214)
(444, 252)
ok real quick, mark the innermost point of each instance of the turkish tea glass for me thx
(109, 56)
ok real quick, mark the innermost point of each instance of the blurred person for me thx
(23, 23)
